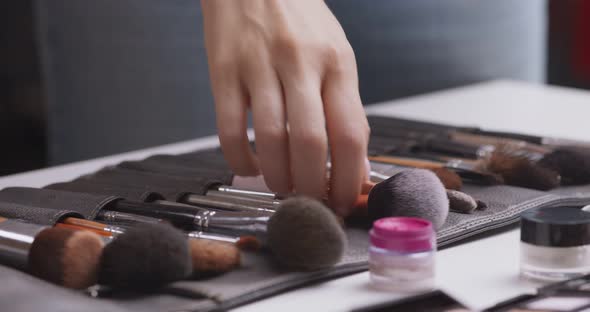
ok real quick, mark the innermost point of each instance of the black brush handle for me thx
(509, 135)
(448, 147)
(180, 216)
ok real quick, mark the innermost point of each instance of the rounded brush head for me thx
(521, 171)
(66, 257)
(145, 257)
(450, 179)
(572, 164)
(303, 234)
(210, 256)
(461, 202)
(410, 193)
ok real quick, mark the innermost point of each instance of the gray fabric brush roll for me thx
(88, 205)
(37, 215)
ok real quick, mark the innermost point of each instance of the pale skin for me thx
(290, 64)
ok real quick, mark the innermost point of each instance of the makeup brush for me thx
(573, 164)
(465, 169)
(521, 171)
(539, 140)
(499, 142)
(450, 179)
(246, 242)
(146, 257)
(62, 256)
(501, 167)
(131, 190)
(213, 257)
(88, 224)
(242, 242)
(411, 193)
(458, 202)
(305, 235)
(66, 257)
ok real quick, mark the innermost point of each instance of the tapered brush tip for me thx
(410, 193)
(145, 257)
(303, 234)
(66, 257)
(521, 171)
(213, 257)
(573, 164)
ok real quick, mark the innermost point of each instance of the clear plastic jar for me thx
(402, 255)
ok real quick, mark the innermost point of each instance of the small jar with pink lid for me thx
(401, 255)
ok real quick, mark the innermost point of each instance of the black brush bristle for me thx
(572, 164)
(303, 234)
(145, 257)
(411, 193)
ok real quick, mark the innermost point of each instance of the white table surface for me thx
(479, 273)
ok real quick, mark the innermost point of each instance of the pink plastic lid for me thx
(403, 234)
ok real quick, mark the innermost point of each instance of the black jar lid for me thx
(555, 227)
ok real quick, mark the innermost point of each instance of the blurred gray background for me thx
(83, 79)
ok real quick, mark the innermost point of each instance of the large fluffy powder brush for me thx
(303, 234)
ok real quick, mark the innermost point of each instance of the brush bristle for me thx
(411, 193)
(572, 164)
(213, 257)
(461, 202)
(450, 179)
(248, 243)
(521, 171)
(303, 234)
(145, 257)
(66, 257)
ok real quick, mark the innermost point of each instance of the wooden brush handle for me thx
(84, 223)
(407, 162)
(81, 228)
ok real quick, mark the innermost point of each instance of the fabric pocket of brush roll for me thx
(36, 215)
(181, 167)
(130, 192)
(87, 205)
(173, 188)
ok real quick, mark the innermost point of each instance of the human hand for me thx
(290, 63)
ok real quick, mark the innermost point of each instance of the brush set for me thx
(480, 156)
(147, 242)
(142, 226)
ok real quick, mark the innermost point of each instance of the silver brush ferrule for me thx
(236, 223)
(218, 203)
(15, 241)
(229, 189)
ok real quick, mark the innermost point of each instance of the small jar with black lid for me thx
(555, 243)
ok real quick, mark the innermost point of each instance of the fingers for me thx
(348, 134)
(307, 134)
(232, 122)
(270, 127)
